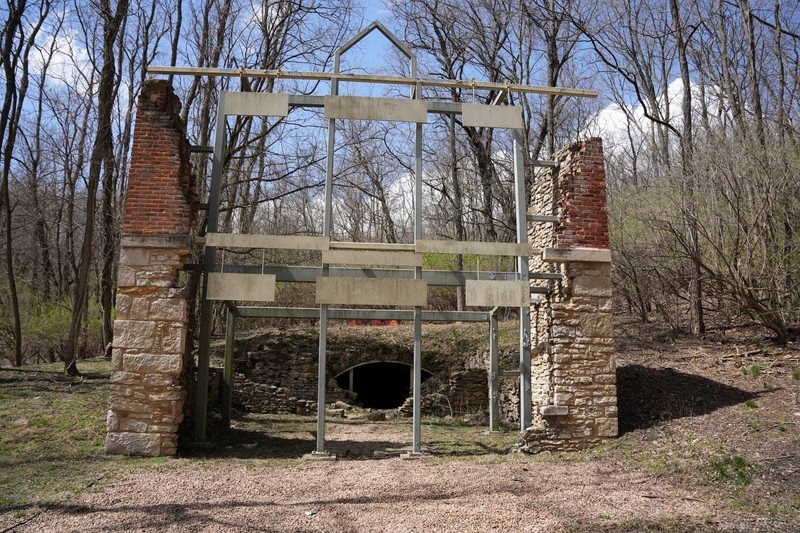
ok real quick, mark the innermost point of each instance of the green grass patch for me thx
(735, 468)
(447, 439)
(52, 431)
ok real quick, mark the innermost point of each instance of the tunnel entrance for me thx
(379, 385)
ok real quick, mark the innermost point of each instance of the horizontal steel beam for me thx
(542, 163)
(544, 218)
(201, 149)
(370, 78)
(361, 314)
(301, 274)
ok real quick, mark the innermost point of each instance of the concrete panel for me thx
(245, 287)
(492, 116)
(363, 108)
(257, 104)
(475, 248)
(372, 258)
(359, 291)
(497, 293)
(279, 242)
(581, 255)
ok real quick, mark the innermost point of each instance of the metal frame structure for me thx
(520, 250)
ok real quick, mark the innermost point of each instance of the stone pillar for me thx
(151, 326)
(574, 372)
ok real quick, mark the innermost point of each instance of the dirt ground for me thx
(710, 440)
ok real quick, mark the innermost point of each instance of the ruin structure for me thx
(574, 373)
(561, 288)
(150, 330)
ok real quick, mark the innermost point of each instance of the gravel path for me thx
(375, 495)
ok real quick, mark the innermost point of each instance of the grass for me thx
(450, 439)
(52, 430)
(733, 467)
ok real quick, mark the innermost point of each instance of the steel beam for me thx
(416, 441)
(227, 376)
(522, 200)
(370, 78)
(209, 261)
(447, 278)
(494, 377)
(361, 314)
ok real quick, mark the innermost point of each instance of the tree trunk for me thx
(102, 155)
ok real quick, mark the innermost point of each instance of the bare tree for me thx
(19, 36)
(101, 161)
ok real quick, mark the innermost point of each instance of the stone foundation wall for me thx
(272, 381)
(151, 326)
(574, 373)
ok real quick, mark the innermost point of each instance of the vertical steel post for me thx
(323, 308)
(416, 442)
(521, 198)
(227, 376)
(494, 374)
(209, 260)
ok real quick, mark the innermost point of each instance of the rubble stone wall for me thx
(151, 326)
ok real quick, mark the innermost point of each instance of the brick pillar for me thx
(574, 372)
(151, 325)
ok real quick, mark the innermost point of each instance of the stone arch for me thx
(380, 384)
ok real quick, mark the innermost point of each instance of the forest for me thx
(698, 110)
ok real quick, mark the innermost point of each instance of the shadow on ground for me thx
(647, 396)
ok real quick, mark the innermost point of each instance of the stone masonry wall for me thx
(151, 326)
(574, 373)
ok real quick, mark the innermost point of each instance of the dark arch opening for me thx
(379, 385)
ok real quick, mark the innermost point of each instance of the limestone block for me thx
(116, 359)
(605, 378)
(563, 331)
(146, 444)
(176, 393)
(130, 406)
(132, 425)
(125, 378)
(112, 421)
(169, 444)
(597, 324)
(161, 428)
(169, 258)
(140, 308)
(553, 410)
(123, 306)
(158, 380)
(168, 309)
(172, 338)
(154, 363)
(156, 277)
(606, 427)
(605, 400)
(131, 256)
(591, 286)
(562, 398)
(126, 277)
(139, 334)
(562, 358)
